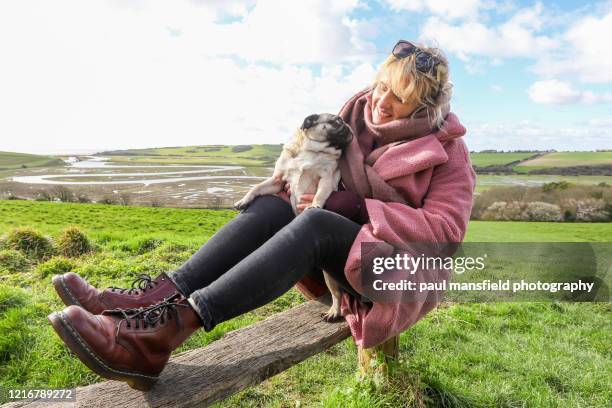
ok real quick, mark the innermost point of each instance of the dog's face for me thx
(327, 128)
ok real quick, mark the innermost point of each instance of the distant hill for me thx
(11, 161)
(487, 158)
(569, 159)
(547, 162)
(485, 162)
(244, 155)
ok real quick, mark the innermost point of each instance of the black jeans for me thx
(261, 254)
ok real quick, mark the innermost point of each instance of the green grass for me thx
(486, 181)
(515, 231)
(567, 159)
(10, 161)
(235, 161)
(258, 155)
(113, 223)
(462, 355)
(488, 159)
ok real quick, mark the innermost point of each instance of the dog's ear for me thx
(296, 144)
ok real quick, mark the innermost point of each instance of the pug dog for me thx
(309, 163)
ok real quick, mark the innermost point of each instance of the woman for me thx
(406, 177)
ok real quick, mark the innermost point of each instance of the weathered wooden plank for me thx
(238, 360)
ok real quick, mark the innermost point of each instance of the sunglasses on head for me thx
(424, 61)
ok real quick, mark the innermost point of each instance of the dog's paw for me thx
(241, 204)
(311, 206)
(333, 315)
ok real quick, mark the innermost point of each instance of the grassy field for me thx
(9, 160)
(568, 159)
(266, 155)
(483, 159)
(486, 181)
(256, 155)
(224, 153)
(462, 355)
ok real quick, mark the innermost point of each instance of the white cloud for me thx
(279, 31)
(104, 74)
(586, 52)
(448, 9)
(517, 37)
(556, 92)
(411, 5)
(529, 136)
(230, 7)
(497, 88)
(600, 122)
(580, 50)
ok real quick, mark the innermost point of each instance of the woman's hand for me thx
(304, 202)
(345, 203)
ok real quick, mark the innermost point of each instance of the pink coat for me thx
(434, 175)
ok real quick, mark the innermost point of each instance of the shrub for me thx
(124, 199)
(73, 242)
(241, 148)
(14, 197)
(504, 211)
(560, 185)
(30, 242)
(108, 200)
(55, 266)
(592, 210)
(13, 260)
(63, 194)
(540, 211)
(521, 211)
(594, 201)
(43, 195)
(83, 198)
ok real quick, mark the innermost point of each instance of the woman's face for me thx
(386, 106)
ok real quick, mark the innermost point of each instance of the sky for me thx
(84, 76)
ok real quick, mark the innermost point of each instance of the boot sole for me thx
(78, 346)
(64, 293)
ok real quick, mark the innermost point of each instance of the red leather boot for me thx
(74, 290)
(131, 345)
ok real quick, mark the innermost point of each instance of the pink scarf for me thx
(359, 157)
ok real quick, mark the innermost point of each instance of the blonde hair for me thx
(295, 144)
(428, 90)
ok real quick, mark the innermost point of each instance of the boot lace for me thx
(150, 316)
(140, 284)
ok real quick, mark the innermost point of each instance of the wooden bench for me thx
(240, 359)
